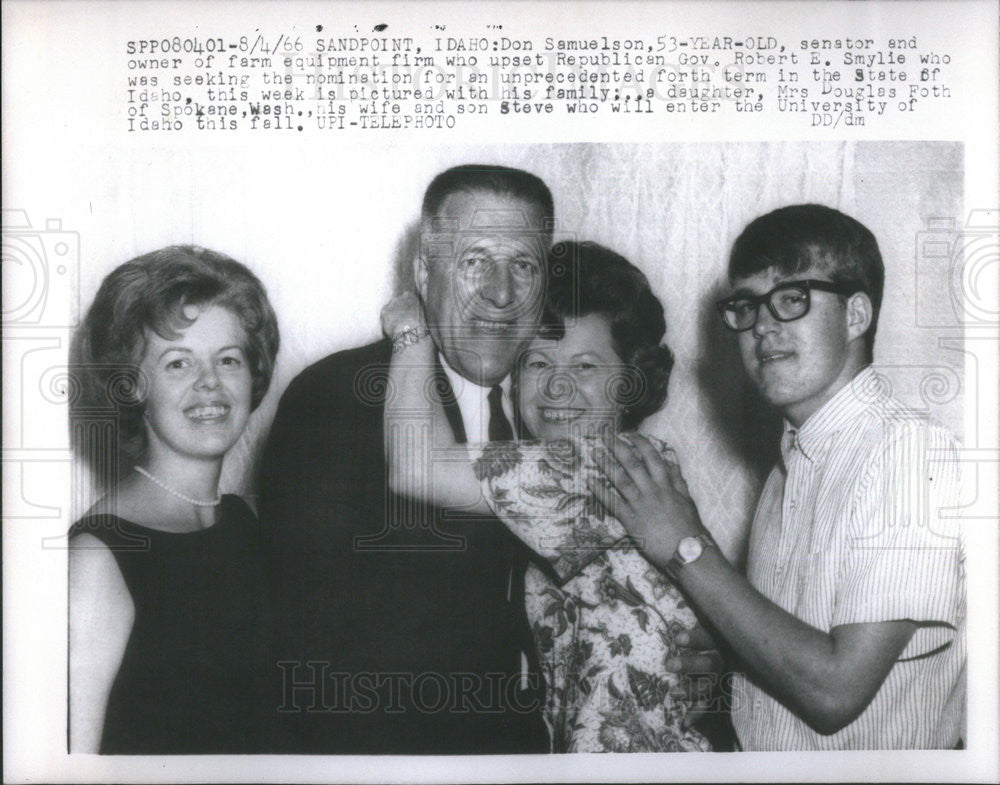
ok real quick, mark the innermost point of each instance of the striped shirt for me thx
(857, 524)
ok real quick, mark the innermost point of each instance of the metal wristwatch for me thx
(688, 550)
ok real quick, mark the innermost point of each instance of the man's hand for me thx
(647, 494)
(701, 673)
(402, 311)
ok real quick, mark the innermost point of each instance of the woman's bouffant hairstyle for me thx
(585, 278)
(149, 293)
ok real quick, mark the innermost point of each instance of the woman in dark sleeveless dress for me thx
(168, 603)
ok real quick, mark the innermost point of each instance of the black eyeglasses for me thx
(787, 302)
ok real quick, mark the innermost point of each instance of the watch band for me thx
(407, 337)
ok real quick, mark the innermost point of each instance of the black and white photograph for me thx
(447, 393)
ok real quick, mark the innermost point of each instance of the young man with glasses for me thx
(849, 627)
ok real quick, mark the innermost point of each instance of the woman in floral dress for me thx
(605, 621)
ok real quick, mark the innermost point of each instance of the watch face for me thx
(689, 549)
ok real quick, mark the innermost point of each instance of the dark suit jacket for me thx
(393, 631)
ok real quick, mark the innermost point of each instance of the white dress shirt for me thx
(473, 404)
(475, 410)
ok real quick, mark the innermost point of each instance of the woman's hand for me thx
(402, 311)
(647, 494)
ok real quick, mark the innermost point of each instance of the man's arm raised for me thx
(423, 459)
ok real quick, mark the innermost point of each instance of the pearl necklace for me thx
(182, 496)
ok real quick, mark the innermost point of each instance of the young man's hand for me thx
(647, 494)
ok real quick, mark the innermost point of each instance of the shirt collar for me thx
(849, 403)
(472, 402)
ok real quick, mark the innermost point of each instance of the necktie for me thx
(499, 427)
(499, 430)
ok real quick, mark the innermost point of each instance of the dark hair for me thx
(802, 237)
(585, 278)
(149, 293)
(500, 180)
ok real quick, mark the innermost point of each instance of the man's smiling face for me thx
(481, 277)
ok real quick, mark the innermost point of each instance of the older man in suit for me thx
(399, 627)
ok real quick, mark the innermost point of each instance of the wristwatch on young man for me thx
(688, 550)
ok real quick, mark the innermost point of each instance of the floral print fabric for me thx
(604, 619)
